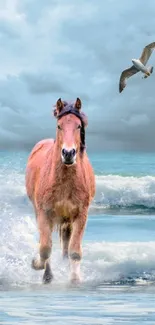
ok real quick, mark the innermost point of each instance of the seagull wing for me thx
(147, 51)
(125, 75)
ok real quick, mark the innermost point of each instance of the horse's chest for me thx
(66, 208)
(64, 200)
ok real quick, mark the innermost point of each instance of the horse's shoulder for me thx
(42, 145)
(40, 152)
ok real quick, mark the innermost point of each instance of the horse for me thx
(60, 184)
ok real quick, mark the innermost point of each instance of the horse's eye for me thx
(79, 126)
(59, 127)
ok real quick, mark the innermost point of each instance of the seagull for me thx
(138, 65)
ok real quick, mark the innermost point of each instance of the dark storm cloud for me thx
(55, 49)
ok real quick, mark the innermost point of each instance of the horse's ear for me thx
(59, 107)
(78, 104)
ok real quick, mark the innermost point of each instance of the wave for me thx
(113, 193)
(124, 192)
(119, 263)
(104, 263)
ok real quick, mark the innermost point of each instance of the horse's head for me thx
(70, 130)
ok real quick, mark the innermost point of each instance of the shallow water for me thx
(99, 306)
(118, 267)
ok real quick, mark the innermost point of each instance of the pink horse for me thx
(60, 182)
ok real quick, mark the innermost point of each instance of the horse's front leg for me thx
(75, 247)
(45, 247)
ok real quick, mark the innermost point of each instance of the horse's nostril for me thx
(73, 152)
(64, 152)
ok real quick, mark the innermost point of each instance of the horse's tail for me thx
(59, 228)
(64, 228)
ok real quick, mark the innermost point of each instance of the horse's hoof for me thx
(48, 276)
(37, 265)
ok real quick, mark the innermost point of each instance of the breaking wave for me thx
(115, 191)
(103, 262)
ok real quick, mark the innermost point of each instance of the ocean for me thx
(118, 266)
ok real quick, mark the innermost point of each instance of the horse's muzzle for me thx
(68, 157)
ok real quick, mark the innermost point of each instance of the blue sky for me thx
(76, 48)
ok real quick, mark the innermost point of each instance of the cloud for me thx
(44, 83)
(51, 49)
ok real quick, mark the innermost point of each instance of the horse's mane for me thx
(70, 106)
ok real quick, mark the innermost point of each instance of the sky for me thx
(76, 48)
